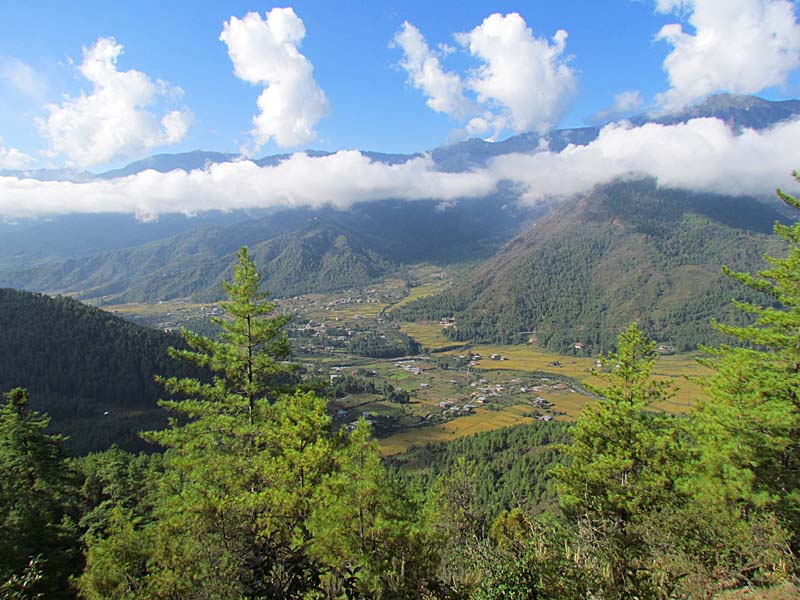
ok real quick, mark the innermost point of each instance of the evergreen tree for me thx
(38, 505)
(257, 497)
(751, 421)
(625, 461)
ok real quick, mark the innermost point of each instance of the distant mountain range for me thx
(114, 258)
(739, 112)
(298, 251)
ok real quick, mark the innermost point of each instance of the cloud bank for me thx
(112, 122)
(701, 155)
(265, 52)
(738, 46)
(521, 82)
(340, 180)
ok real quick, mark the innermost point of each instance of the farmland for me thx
(454, 389)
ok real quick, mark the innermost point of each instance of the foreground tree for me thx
(38, 505)
(257, 497)
(625, 459)
(751, 421)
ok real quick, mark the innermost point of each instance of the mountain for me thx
(163, 163)
(34, 243)
(89, 370)
(739, 112)
(298, 251)
(629, 251)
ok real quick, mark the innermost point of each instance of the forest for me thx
(255, 495)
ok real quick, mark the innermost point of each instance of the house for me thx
(578, 346)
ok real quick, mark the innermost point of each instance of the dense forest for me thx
(90, 371)
(627, 251)
(256, 495)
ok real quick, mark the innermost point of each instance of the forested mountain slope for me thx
(90, 371)
(626, 252)
(298, 251)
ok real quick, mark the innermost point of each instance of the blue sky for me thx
(611, 48)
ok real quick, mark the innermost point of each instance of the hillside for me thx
(298, 251)
(90, 371)
(628, 251)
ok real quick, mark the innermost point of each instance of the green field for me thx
(556, 379)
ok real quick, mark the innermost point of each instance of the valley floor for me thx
(455, 389)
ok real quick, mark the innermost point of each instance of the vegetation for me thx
(90, 371)
(630, 251)
(255, 495)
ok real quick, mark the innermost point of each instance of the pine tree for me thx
(248, 360)
(751, 421)
(624, 462)
(38, 504)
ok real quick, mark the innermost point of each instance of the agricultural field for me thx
(455, 389)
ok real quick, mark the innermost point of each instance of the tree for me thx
(248, 359)
(227, 517)
(751, 421)
(38, 504)
(625, 460)
(256, 493)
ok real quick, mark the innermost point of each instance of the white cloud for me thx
(112, 122)
(22, 77)
(340, 179)
(521, 81)
(701, 155)
(624, 104)
(526, 77)
(265, 52)
(11, 158)
(443, 88)
(738, 46)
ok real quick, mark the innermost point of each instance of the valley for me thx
(454, 389)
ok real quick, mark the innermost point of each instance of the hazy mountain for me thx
(28, 243)
(298, 250)
(739, 112)
(116, 256)
(626, 252)
(163, 163)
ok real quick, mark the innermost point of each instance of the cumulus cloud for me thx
(624, 104)
(265, 52)
(11, 158)
(739, 46)
(521, 82)
(22, 77)
(701, 155)
(525, 77)
(443, 88)
(112, 122)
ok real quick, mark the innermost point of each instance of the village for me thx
(407, 380)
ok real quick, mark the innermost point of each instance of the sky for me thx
(94, 85)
